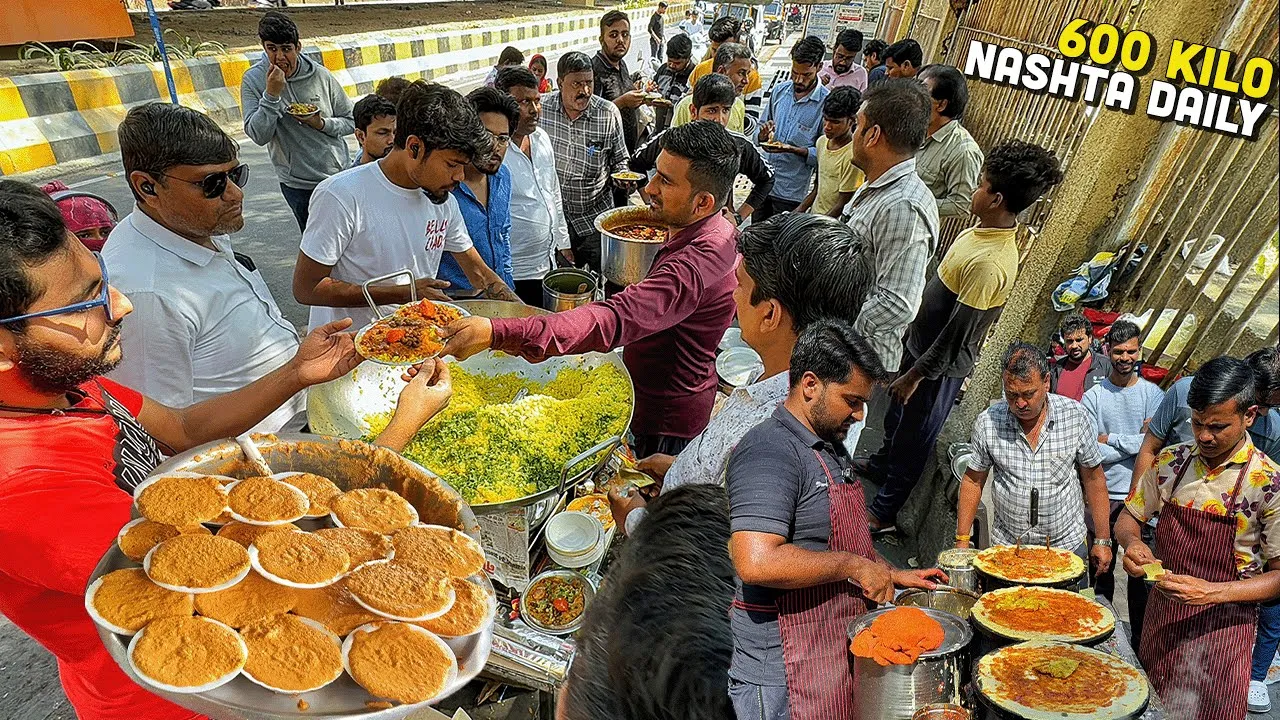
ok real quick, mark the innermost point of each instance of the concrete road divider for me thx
(49, 118)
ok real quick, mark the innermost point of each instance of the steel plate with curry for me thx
(1039, 613)
(409, 335)
(1032, 565)
(641, 232)
(1050, 680)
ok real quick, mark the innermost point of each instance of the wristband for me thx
(963, 538)
(1104, 542)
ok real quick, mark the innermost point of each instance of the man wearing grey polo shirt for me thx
(206, 323)
(894, 210)
(793, 270)
(800, 542)
(1036, 440)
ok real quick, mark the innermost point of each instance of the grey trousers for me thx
(759, 702)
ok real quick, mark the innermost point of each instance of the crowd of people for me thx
(758, 547)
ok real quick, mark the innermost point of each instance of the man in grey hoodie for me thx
(305, 149)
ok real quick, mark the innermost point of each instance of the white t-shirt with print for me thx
(366, 226)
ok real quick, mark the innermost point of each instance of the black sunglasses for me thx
(214, 184)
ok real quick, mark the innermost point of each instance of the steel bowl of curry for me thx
(409, 335)
(630, 239)
(556, 601)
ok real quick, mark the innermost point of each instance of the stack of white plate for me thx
(574, 539)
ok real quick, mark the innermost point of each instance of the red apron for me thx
(1198, 657)
(814, 621)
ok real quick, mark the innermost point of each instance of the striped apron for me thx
(1198, 656)
(814, 621)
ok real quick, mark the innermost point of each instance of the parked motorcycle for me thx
(773, 31)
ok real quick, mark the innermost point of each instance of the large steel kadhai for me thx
(342, 407)
(349, 465)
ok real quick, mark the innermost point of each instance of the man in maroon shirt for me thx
(73, 445)
(1081, 367)
(669, 323)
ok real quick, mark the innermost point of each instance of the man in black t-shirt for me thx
(655, 31)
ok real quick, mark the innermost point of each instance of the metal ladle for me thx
(1035, 519)
(251, 453)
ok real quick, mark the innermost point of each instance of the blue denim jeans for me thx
(299, 201)
(1264, 649)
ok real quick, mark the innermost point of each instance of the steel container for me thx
(560, 289)
(623, 261)
(896, 692)
(952, 600)
(942, 711)
(349, 465)
(957, 563)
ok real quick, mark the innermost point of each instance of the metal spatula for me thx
(1035, 518)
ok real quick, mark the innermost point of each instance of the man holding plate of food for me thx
(670, 322)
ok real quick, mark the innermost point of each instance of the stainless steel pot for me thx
(947, 599)
(560, 289)
(896, 692)
(622, 261)
(957, 563)
(349, 465)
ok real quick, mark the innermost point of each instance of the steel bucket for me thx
(560, 289)
(947, 599)
(622, 261)
(896, 692)
(957, 563)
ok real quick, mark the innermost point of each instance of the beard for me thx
(53, 371)
(829, 429)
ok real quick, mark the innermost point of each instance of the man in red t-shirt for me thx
(1081, 367)
(73, 445)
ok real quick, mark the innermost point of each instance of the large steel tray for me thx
(350, 465)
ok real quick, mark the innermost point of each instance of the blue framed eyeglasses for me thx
(103, 301)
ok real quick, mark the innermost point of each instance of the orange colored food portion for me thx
(641, 232)
(411, 334)
(898, 637)
(1024, 676)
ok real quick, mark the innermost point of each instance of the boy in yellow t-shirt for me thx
(838, 177)
(960, 302)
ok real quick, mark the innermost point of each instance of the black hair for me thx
(729, 52)
(31, 232)
(391, 88)
(1021, 172)
(1021, 358)
(278, 28)
(157, 136)
(662, 3)
(369, 107)
(679, 47)
(1122, 331)
(902, 109)
(611, 18)
(850, 40)
(515, 77)
(572, 62)
(442, 119)
(948, 84)
(813, 265)
(809, 51)
(905, 51)
(511, 55)
(876, 47)
(725, 29)
(1266, 370)
(656, 642)
(830, 349)
(712, 155)
(842, 103)
(713, 89)
(1222, 379)
(1073, 322)
(493, 100)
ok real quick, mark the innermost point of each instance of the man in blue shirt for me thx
(790, 132)
(484, 196)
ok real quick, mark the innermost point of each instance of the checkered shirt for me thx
(588, 150)
(1068, 440)
(899, 218)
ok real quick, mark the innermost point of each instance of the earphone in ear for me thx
(148, 188)
(413, 149)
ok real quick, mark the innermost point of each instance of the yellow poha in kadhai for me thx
(492, 450)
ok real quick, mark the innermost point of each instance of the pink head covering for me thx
(81, 212)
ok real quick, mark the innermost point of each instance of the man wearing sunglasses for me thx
(205, 322)
(73, 446)
(397, 214)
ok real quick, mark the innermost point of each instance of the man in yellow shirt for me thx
(732, 60)
(725, 30)
(838, 177)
